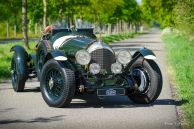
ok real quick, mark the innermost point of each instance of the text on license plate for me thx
(111, 92)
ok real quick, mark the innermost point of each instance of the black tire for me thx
(57, 83)
(18, 77)
(153, 85)
(42, 51)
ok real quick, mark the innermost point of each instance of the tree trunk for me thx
(15, 26)
(117, 27)
(109, 29)
(35, 28)
(131, 27)
(7, 27)
(120, 26)
(40, 28)
(24, 23)
(136, 27)
(29, 26)
(49, 21)
(95, 28)
(68, 19)
(72, 24)
(45, 13)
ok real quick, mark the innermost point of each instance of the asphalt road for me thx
(5, 41)
(28, 110)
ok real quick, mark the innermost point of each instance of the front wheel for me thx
(57, 83)
(147, 80)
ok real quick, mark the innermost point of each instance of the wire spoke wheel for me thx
(57, 83)
(54, 83)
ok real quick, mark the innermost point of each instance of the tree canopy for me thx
(170, 13)
(93, 11)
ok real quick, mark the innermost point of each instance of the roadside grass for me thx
(5, 58)
(6, 55)
(119, 37)
(180, 54)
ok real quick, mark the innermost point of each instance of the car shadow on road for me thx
(91, 101)
(36, 89)
(35, 120)
(6, 110)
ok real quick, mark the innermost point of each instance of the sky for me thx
(138, 1)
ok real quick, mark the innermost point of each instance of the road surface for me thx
(5, 41)
(28, 110)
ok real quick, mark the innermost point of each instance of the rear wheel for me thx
(148, 81)
(57, 83)
(18, 77)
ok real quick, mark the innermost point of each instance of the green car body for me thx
(96, 72)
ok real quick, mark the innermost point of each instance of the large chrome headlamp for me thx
(123, 57)
(116, 68)
(83, 57)
(94, 68)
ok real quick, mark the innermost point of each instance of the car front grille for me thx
(104, 57)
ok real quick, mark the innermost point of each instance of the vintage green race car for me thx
(68, 62)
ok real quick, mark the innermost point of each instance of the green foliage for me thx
(94, 11)
(147, 12)
(103, 9)
(170, 13)
(159, 10)
(184, 16)
(129, 12)
(181, 58)
(35, 10)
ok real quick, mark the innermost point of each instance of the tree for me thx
(184, 16)
(24, 23)
(160, 11)
(12, 8)
(148, 13)
(4, 17)
(45, 13)
(35, 14)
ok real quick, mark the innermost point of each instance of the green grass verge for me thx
(5, 58)
(5, 54)
(180, 53)
(118, 37)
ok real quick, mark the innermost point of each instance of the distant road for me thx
(4, 41)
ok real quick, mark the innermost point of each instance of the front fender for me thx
(146, 53)
(56, 55)
(21, 58)
(60, 57)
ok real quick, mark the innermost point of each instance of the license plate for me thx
(111, 92)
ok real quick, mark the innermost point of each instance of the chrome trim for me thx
(99, 45)
(150, 57)
(143, 83)
(60, 58)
